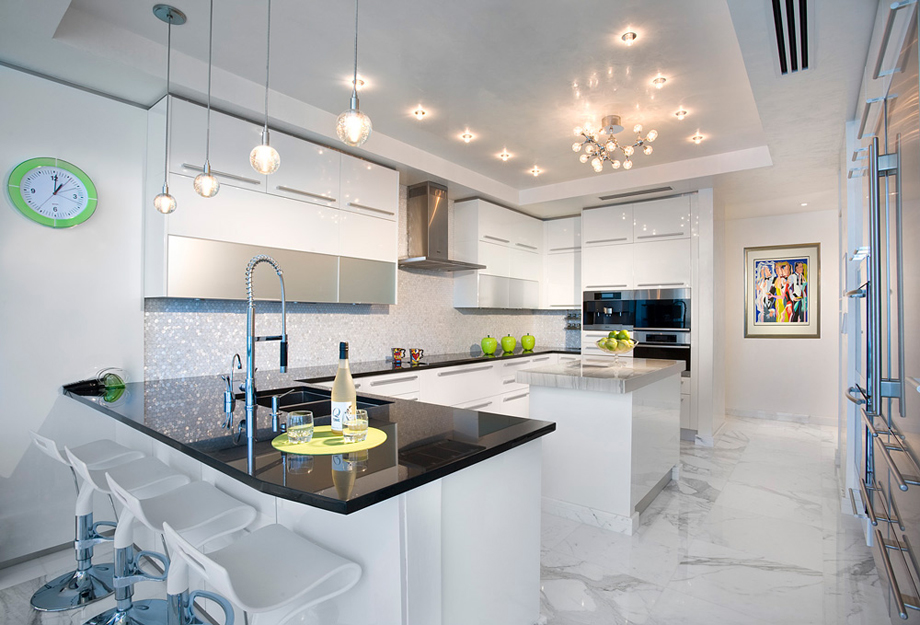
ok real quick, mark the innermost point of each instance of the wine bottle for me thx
(344, 398)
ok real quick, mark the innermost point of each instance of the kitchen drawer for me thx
(391, 384)
(451, 386)
(508, 370)
(413, 396)
(568, 358)
(514, 404)
(484, 404)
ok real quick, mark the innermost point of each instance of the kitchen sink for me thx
(315, 400)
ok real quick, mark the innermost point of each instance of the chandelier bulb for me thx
(615, 164)
(651, 136)
(637, 128)
(647, 149)
(583, 158)
(628, 150)
(578, 131)
(576, 147)
(627, 164)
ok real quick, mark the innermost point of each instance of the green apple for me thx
(528, 342)
(612, 335)
(489, 345)
(622, 335)
(611, 344)
(508, 343)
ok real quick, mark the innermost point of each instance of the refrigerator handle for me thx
(874, 335)
(899, 266)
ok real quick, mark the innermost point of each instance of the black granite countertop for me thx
(425, 442)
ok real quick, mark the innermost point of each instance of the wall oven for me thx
(643, 309)
(672, 345)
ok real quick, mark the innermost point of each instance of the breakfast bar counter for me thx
(617, 438)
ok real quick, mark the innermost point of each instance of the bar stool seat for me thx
(88, 582)
(272, 570)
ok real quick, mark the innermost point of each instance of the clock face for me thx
(52, 192)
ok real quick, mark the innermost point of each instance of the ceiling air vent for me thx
(617, 196)
(791, 43)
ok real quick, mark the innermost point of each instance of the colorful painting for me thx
(781, 291)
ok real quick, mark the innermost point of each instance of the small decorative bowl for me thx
(617, 351)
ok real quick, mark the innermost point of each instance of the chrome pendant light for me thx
(206, 185)
(164, 202)
(354, 127)
(264, 158)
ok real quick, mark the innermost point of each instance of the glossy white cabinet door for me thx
(609, 225)
(562, 235)
(662, 264)
(662, 219)
(366, 237)
(451, 386)
(496, 258)
(607, 267)
(526, 233)
(368, 188)
(526, 265)
(515, 404)
(494, 223)
(562, 280)
(308, 172)
(523, 293)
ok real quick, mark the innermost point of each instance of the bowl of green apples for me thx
(618, 343)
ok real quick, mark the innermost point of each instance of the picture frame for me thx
(782, 291)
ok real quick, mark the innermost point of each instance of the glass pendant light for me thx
(264, 158)
(206, 185)
(164, 202)
(354, 127)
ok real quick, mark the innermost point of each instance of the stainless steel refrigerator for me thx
(887, 302)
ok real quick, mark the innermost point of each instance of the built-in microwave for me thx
(643, 309)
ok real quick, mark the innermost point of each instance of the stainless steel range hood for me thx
(428, 235)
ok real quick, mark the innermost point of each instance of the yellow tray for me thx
(324, 442)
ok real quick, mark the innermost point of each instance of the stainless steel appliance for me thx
(642, 309)
(883, 272)
(670, 345)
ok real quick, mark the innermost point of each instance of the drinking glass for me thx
(354, 426)
(300, 426)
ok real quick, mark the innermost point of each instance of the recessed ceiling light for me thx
(659, 81)
(804, 204)
(681, 114)
(420, 113)
(362, 82)
(536, 171)
(467, 136)
(629, 37)
(697, 138)
(504, 155)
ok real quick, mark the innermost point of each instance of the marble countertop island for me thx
(629, 375)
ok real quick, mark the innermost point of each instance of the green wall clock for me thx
(52, 192)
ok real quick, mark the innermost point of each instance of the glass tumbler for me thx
(354, 426)
(300, 426)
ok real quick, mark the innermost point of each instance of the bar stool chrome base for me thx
(75, 589)
(145, 612)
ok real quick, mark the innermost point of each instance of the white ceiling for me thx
(519, 74)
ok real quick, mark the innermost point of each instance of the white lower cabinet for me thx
(515, 404)
(453, 386)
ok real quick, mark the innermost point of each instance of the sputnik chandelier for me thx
(601, 145)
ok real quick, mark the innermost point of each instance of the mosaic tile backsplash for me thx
(199, 337)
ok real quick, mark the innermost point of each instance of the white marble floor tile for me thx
(773, 503)
(674, 518)
(676, 608)
(554, 529)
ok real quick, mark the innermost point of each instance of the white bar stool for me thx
(272, 573)
(145, 477)
(89, 582)
(201, 513)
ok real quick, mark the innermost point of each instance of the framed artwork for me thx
(782, 285)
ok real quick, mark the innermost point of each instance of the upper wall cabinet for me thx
(232, 140)
(662, 219)
(369, 189)
(308, 172)
(479, 220)
(608, 225)
(562, 235)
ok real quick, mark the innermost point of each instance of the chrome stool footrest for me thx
(182, 607)
(134, 573)
(146, 612)
(75, 589)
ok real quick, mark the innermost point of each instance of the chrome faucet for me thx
(229, 396)
(251, 339)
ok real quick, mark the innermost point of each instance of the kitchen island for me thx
(617, 441)
(443, 517)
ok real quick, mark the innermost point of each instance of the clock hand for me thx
(58, 188)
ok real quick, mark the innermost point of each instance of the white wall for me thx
(781, 377)
(71, 299)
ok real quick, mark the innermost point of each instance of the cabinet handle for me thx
(870, 511)
(490, 237)
(575, 306)
(356, 386)
(663, 284)
(529, 247)
(607, 240)
(223, 174)
(478, 406)
(856, 400)
(318, 196)
(541, 359)
(394, 381)
(515, 364)
(658, 236)
(446, 373)
(508, 381)
(889, 572)
(412, 399)
(605, 286)
(370, 208)
(521, 396)
(565, 249)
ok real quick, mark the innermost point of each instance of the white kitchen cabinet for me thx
(514, 404)
(525, 232)
(368, 188)
(607, 267)
(308, 172)
(523, 294)
(362, 236)
(607, 225)
(473, 289)
(562, 280)
(668, 218)
(391, 384)
(662, 264)
(496, 258)
(685, 411)
(526, 265)
(232, 140)
(453, 386)
(562, 236)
